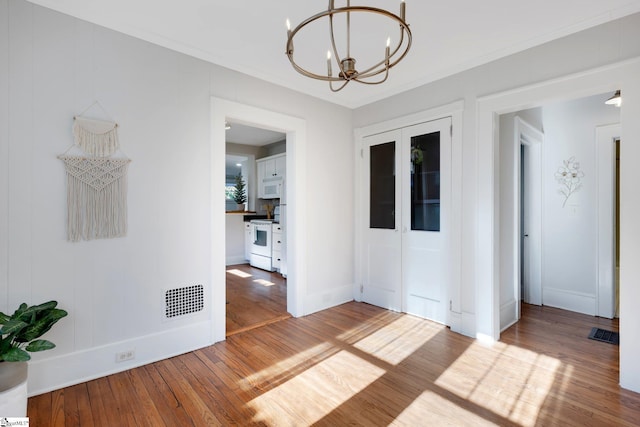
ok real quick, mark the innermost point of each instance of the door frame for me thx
(295, 129)
(606, 237)
(534, 139)
(456, 319)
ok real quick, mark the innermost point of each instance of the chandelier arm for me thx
(386, 75)
(402, 31)
(341, 86)
(374, 71)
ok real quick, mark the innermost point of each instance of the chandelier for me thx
(375, 71)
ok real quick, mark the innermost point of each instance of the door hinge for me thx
(361, 288)
(450, 305)
(361, 153)
(451, 130)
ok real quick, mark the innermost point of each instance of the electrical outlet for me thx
(125, 355)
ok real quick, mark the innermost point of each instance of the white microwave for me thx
(272, 187)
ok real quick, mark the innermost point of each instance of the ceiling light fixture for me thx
(346, 62)
(615, 99)
(227, 126)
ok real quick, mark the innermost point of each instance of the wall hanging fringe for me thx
(97, 138)
(96, 197)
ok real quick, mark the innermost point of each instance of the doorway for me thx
(295, 129)
(407, 200)
(254, 297)
(563, 210)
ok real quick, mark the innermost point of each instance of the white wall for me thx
(562, 62)
(52, 67)
(569, 238)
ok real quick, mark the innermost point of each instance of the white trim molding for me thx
(295, 129)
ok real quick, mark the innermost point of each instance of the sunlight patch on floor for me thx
(332, 382)
(293, 365)
(264, 282)
(239, 273)
(374, 323)
(399, 339)
(485, 376)
(434, 410)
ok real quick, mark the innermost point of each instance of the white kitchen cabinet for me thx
(260, 172)
(280, 165)
(272, 166)
(276, 246)
(269, 169)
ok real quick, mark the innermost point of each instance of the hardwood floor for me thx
(255, 298)
(361, 365)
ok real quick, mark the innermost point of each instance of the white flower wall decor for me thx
(569, 176)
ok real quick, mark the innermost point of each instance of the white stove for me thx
(261, 243)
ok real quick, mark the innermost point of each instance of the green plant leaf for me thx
(40, 345)
(16, 354)
(41, 326)
(29, 312)
(13, 326)
(5, 345)
(4, 318)
(20, 310)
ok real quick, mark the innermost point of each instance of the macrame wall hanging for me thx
(96, 182)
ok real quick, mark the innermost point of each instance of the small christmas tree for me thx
(240, 195)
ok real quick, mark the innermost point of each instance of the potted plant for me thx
(19, 335)
(240, 194)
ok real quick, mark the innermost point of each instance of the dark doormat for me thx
(605, 336)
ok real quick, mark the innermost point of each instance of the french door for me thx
(407, 185)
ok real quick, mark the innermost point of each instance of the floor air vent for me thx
(605, 336)
(181, 301)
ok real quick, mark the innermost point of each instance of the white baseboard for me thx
(336, 296)
(508, 314)
(62, 371)
(569, 300)
(468, 325)
(455, 321)
(235, 260)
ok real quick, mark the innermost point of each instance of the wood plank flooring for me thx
(361, 365)
(255, 298)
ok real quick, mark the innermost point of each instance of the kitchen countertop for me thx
(249, 215)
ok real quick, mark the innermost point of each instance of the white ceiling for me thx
(249, 135)
(249, 36)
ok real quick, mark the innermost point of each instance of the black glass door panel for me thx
(382, 186)
(425, 182)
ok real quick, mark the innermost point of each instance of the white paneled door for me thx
(381, 238)
(408, 186)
